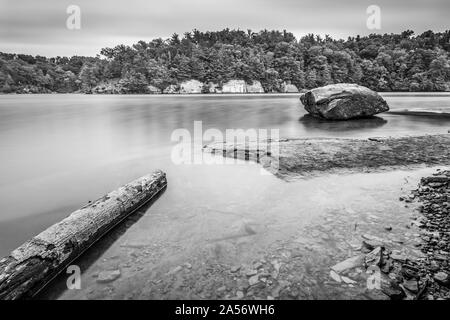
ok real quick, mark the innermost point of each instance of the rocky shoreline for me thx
(433, 271)
(400, 276)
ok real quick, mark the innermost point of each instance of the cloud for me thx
(39, 27)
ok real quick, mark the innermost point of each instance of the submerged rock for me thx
(335, 276)
(253, 280)
(442, 278)
(343, 101)
(411, 285)
(391, 288)
(108, 276)
(350, 263)
(374, 257)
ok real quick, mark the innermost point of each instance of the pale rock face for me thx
(447, 86)
(153, 89)
(191, 86)
(109, 87)
(343, 101)
(240, 86)
(213, 88)
(171, 89)
(234, 86)
(289, 88)
(255, 87)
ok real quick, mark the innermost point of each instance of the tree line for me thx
(388, 62)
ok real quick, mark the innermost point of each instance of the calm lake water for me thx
(57, 152)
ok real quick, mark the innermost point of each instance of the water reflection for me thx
(308, 121)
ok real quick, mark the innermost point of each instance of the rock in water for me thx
(253, 280)
(343, 101)
(350, 263)
(335, 276)
(373, 258)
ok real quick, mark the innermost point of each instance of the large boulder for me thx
(343, 101)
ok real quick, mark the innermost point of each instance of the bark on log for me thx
(31, 266)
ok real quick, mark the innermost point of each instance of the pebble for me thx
(396, 255)
(235, 269)
(257, 265)
(276, 265)
(251, 273)
(222, 288)
(374, 257)
(348, 280)
(175, 270)
(108, 276)
(443, 278)
(411, 285)
(349, 263)
(335, 276)
(253, 280)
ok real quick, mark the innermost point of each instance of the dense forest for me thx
(389, 62)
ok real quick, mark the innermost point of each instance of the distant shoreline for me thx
(383, 93)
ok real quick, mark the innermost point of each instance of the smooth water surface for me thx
(57, 152)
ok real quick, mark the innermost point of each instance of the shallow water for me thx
(60, 151)
(319, 219)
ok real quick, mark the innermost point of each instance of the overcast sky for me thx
(39, 26)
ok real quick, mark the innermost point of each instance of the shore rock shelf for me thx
(295, 158)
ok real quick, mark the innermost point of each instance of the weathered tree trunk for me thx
(31, 266)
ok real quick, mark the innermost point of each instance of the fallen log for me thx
(35, 263)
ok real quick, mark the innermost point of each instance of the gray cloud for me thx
(39, 27)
